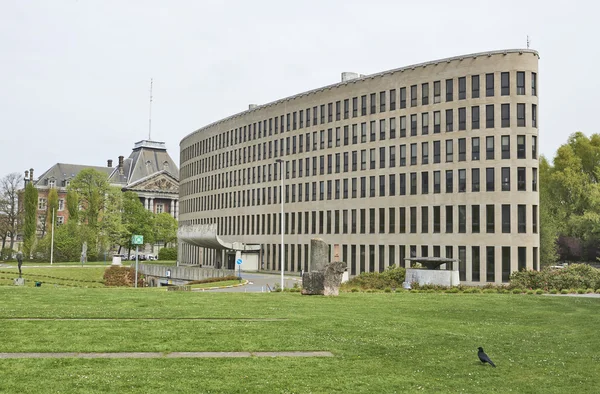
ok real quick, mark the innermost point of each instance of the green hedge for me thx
(392, 278)
(574, 276)
(167, 254)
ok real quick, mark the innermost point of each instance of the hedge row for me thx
(392, 277)
(574, 276)
(121, 276)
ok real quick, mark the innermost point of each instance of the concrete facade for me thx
(383, 167)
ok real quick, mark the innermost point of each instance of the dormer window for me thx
(52, 183)
(166, 166)
(149, 166)
(67, 183)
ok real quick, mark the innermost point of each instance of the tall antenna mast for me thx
(150, 115)
(528, 42)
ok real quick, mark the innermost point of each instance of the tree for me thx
(165, 228)
(73, 205)
(9, 207)
(112, 230)
(52, 207)
(30, 198)
(136, 220)
(91, 187)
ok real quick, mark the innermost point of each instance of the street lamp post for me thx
(281, 161)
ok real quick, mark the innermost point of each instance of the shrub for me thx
(490, 291)
(122, 276)
(387, 290)
(393, 277)
(589, 291)
(6, 254)
(564, 291)
(530, 292)
(553, 291)
(453, 290)
(539, 291)
(354, 290)
(517, 291)
(573, 276)
(580, 291)
(167, 254)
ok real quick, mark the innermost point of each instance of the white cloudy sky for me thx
(75, 74)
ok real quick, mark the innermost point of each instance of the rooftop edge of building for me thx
(362, 77)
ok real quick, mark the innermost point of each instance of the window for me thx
(489, 218)
(533, 115)
(534, 176)
(475, 264)
(505, 84)
(489, 148)
(475, 148)
(382, 129)
(475, 220)
(449, 89)
(489, 179)
(462, 88)
(437, 92)
(425, 152)
(42, 203)
(449, 181)
(413, 96)
(521, 258)
(402, 181)
(449, 218)
(505, 263)
(475, 86)
(372, 221)
(462, 181)
(363, 105)
(392, 128)
(534, 218)
(521, 179)
(520, 115)
(402, 221)
(425, 123)
(61, 204)
(425, 94)
(521, 218)
(449, 151)
(413, 154)
(392, 99)
(462, 149)
(363, 187)
(392, 223)
(372, 131)
(424, 219)
(449, 120)
(363, 132)
(403, 126)
(436, 151)
(424, 182)
(489, 85)
(505, 144)
(490, 263)
(475, 117)
(372, 158)
(322, 114)
(413, 183)
(373, 100)
(462, 118)
(505, 114)
(363, 159)
(462, 219)
(505, 173)
(413, 125)
(489, 116)
(520, 147)
(533, 84)
(363, 221)
(402, 98)
(437, 182)
(436, 219)
(437, 120)
(413, 220)
(520, 83)
(354, 107)
(381, 157)
(392, 190)
(506, 218)
(392, 156)
(346, 108)
(402, 155)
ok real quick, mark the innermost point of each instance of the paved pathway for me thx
(257, 282)
(166, 355)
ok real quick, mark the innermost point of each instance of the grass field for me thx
(215, 284)
(382, 342)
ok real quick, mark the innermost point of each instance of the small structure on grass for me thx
(324, 277)
(431, 272)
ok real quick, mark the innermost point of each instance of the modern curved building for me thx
(438, 159)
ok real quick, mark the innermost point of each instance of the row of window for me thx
(377, 186)
(350, 134)
(375, 258)
(325, 112)
(377, 158)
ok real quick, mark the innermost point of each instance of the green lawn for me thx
(382, 342)
(72, 276)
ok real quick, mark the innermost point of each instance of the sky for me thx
(75, 74)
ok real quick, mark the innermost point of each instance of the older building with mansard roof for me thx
(149, 171)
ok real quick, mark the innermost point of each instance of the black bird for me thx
(484, 357)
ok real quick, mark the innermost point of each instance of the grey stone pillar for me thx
(319, 254)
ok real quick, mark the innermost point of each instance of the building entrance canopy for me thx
(205, 236)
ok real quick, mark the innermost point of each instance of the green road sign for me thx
(137, 239)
